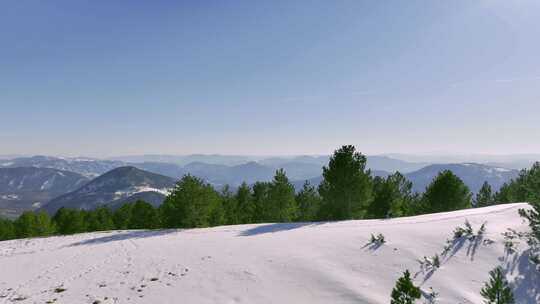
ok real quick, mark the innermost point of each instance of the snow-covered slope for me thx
(267, 263)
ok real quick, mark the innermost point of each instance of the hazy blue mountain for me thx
(374, 162)
(151, 197)
(315, 181)
(511, 161)
(219, 175)
(182, 160)
(514, 164)
(26, 188)
(384, 163)
(168, 169)
(111, 187)
(472, 174)
(279, 161)
(84, 166)
(300, 170)
(250, 172)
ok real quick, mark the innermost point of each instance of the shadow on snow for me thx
(122, 236)
(526, 285)
(277, 227)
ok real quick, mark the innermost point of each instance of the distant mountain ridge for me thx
(472, 174)
(84, 166)
(217, 170)
(117, 185)
(24, 188)
(125, 183)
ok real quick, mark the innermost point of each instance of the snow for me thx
(45, 184)
(138, 189)
(10, 197)
(267, 263)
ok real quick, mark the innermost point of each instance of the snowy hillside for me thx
(113, 187)
(267, 263)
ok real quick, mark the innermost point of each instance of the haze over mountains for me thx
(52, 182)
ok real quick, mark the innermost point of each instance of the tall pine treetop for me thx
(346, 186)
(405, 292)
(497, 291)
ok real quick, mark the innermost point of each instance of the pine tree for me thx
(260, 201)
(525, 188)
(99, 219)
(382, 197)
(230, 206)
(484, 197)
(122, 216)
(281, 203)
(392, 196)
(497, 291)
(308, 202)
(7, 230)
(447, 192)
(31, 224)
(104, 217)
(405, 292)
(216, 214)
(143, 216)
(245, 205)
(69, 221)
(192, 203)
(346, 186)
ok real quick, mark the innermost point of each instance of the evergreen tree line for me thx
(525, 188)
(348, 191)
(138, 215)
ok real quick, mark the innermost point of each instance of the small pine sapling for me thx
(482, 229)
(405, 292)
(379, 239)
(468, 228)
(436, 261)
(497, 291)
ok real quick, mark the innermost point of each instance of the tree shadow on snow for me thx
(427, 275)
(277, 227)
(372, 246)
(526, 285)
(473, 246)
(457, 244)
(127, 235)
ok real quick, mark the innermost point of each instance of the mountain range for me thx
(49, 182)
(25, 188)
(472, 174)
(85, 166)
(113, 188)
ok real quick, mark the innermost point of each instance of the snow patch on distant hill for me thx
(138, 189)
(10, 197)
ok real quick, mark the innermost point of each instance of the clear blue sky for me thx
(102, 78)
